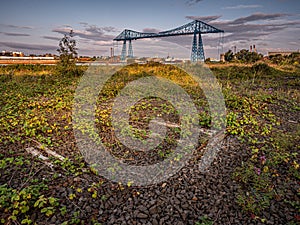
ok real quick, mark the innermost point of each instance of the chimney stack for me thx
(111, 52)
(112, 57)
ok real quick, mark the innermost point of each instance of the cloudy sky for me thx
(36, 26)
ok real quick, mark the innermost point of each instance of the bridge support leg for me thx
(123, 53)
(197, 49)
(194, 48)
(130, 50)
(200, 50)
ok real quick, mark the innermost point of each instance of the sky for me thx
(36, 26)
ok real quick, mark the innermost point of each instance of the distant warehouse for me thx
(27, 57)
(7, 57)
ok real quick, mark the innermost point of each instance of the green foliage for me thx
(292, 59)
(75, 219)
(70, 167)
(246, 56)
(262, 69)
(243, 56)
(29, 106)
(229, 56)
(18, 203)
(277, 59)
(67, 56)
(252, 119)
(24, 69)
(205, 220)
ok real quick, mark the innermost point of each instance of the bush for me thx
(261, 68)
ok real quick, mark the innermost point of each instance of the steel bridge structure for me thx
(196, 27)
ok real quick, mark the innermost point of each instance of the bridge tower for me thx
(124, 50)
(130, 50)
(194, 48)
(123, 53)
(197, 48)
(200, 50)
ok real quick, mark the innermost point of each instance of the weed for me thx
(204, 220)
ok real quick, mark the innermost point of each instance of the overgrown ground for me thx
(254, 179)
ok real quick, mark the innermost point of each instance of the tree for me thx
(67, 55)
(294, 58)
(229, 56)
(207, 60)
(248, 57)
(242, 55)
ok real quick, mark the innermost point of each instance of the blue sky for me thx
(35, 26)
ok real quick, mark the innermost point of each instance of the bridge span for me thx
(195, 27)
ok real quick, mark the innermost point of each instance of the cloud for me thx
(95, 28)
(245, 36)
(90, 32)
(294, 43)
(259, 16)
(150, 30)
(231, 27)
(243, 7)
(16, 26)
(103, 43)
(28, 47)
(91, 39)
(15, 34)
(51, 38)
(67, 26)
(204, 18)
(242, 26)
(110, 29)
(83, 23)
(62, 30)
(192, 2)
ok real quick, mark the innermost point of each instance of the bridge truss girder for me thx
(195, 27)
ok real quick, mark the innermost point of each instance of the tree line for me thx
(246, 56)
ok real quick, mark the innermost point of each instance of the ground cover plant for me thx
(254, 179)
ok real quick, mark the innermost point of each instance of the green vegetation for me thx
(67, 56)
(292, 59)
(243, 56)
(263, 109)
(204, 220)
(23, 70)
(19, 202)
(260, 102)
